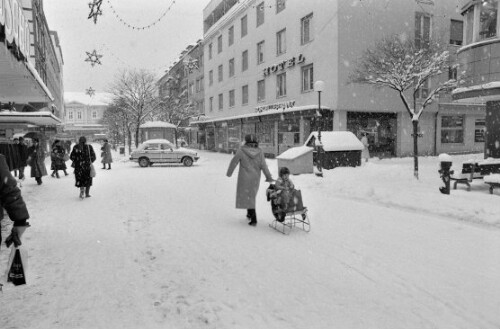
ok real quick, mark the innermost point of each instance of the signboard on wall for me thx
(16, 27)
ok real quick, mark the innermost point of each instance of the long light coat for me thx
(106, 153)
(252, 162)
(36, 156)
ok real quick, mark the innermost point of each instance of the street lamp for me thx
(319, 86)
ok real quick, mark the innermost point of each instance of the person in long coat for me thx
(57, 157)
(36, 159)
(23, 156)
(106, 155)
(365, 154)
(252, 162)
(82, 156)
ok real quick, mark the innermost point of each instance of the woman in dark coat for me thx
(36, 159)
(106, 155)
(57, 157)
(251, 160)
(82, 156)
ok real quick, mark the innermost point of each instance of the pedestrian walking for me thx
(82, 156)
(365, 154)
(57, 159)
(106, 155)
(23, 157)
(36, 159)
(252, 161)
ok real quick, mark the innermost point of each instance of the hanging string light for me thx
(134, 27)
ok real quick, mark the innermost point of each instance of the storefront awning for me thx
(35, 118)
(19, 81)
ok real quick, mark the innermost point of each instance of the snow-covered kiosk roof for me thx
(336, 141)
(295, 152)
(157, 124)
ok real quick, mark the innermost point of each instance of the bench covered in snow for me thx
(493, 180)
(470, 171)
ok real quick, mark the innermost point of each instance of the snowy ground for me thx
(163, 247)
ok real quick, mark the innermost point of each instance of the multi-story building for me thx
(479, 66)
(84, 115)
(262, 58)
(182, 90)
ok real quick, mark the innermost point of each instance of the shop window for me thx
(231, 98)
(307, 78)
(488, 19)
(456, 32)
(261, 91)
(281, 42)
(260, 14)
(452, 129)
(289, 132)
(230, 36)
(244, 95)
(280, 5)
(265, 132)
(305, 29)
(221, 102)
(281, 85)
(422, 30)
(234, 136)
(244, 26)
(231, 67)
(219, 44)
(260, 52)
(220, 73)
(479, 130)
(244, 61)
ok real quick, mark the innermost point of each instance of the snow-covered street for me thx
(164, 247)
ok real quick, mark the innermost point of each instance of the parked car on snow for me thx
(162, 151)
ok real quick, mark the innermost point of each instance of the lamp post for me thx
(319, 87)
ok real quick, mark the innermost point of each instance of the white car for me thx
(162, 151)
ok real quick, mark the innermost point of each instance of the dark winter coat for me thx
(106, 153)
(36, 159)
(23, 154)
(57, 158)
(10, 197)
(82, 156)
(252, 162)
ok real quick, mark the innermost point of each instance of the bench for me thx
(493, 180)
(470, 171)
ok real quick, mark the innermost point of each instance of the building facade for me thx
(262, 59)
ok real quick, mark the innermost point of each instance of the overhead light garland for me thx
(124, 22)
(93, 58)
(95, 9)
(90, 91)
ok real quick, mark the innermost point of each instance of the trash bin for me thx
(122, 149)
(445, 171)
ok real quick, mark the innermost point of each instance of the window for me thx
(488, 19)
(305, 29)
(307, 78)
(423, 92)
(198, 85)
(210, 78)
(211, 104)
(244, 60)
(281, 85)
(280, 5)
(261, 91)
(480, 128)
(191, 88)
(260, 52)
(94, 114)
(422, 30)
(210, 51)
(70, 115)
(452, 129)
(202, 83)
(281, 42)
(231, 98)
(244, 22)
(200, 61)
(260, 14)
(469, 25)
(220, 73)
(221, 102)
(79, 115)
(265, 132)
(230, 36)
(231, 67)
(219, 44)
(456, 32)
(452, 73)
(244, 95)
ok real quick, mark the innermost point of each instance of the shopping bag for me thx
(92, 170)
(17, 267)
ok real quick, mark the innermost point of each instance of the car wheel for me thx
(187, 161)
(143, 162)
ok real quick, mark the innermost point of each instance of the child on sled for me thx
(284, 188)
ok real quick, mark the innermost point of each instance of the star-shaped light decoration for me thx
(95, 9)
(90, 92)
(93, 58)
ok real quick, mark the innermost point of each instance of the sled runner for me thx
(295, 215)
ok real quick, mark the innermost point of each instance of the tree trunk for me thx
(129, 134)
(415, 148)
(137, 135)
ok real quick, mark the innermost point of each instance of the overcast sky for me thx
(154, 48)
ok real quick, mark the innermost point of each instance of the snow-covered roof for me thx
(157, 124)
(103, 99)
(294, 152)
(489, 85)
(337, 141)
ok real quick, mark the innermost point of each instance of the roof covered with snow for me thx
(337, 141)
(103, 99)
(294, 152)
(158, 124)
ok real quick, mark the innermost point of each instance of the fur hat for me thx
(251, 138)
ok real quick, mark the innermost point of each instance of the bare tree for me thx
(118, 123)
(397, 63)
(135, 92)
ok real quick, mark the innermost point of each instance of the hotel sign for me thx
(16, 27)
(285, 64)
(275, 106)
